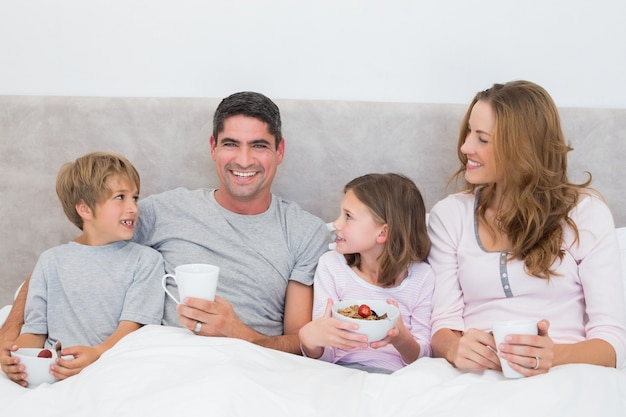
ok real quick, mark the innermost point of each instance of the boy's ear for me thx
(83, 210)
(382, 236)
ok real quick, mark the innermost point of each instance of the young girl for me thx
(382, 243)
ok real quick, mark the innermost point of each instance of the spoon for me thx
(57, 347)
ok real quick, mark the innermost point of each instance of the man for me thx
(266, 247)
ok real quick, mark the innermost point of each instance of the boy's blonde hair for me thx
(85, 180)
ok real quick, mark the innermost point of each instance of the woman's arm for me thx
(602, 281)
(534, 355)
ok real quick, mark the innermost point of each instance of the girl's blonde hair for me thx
(530, 151)
(85, 180)
(394, 200)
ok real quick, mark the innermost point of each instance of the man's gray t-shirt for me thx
(78, 294)
(257, 254)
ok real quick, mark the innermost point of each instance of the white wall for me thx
(385, 50)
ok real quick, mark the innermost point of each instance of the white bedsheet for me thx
(163, 371)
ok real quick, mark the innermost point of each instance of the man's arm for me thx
(219, 319)
(9, 333)
(15, 320)
(298, 309)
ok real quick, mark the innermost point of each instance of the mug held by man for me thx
(193, 280)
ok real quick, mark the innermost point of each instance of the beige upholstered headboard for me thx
(327, 144)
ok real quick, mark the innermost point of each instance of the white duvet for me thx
(163, 371)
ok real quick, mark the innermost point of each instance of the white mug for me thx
(502, 329)
(193, 280)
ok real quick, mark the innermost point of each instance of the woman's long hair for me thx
(530, 151)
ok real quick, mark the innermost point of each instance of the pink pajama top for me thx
(335, 279)
(475, 287)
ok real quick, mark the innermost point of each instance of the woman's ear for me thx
(382, 236)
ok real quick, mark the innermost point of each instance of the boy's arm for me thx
(86, 355)
(125, 327)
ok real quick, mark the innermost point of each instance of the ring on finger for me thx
(199, 326)
(537, 363)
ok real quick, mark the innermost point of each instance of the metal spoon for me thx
(57, 347)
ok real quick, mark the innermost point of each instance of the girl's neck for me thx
(369, 271)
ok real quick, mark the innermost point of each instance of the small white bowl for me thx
(375, 330)
(37, 369)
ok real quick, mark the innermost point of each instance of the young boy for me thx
(91, 292)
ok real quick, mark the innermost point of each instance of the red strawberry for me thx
(364, 310)
(45, 354)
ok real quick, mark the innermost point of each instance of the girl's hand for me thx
(327, 331)
(396, 334)
(528, 354)
(401, 339)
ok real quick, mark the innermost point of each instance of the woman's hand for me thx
(473, 350)
(528, 354)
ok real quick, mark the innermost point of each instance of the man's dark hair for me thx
(249, 104)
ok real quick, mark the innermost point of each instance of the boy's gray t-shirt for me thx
(78, 294)
(257, 254)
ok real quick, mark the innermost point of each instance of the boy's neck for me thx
(86, 240)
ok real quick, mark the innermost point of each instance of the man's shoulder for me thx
(142, 250)
(176, 194)
(292, 211)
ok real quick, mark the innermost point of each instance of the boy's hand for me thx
(83, 357)
(10, 364)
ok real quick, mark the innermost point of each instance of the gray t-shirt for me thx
(78, 294)
(257, 254)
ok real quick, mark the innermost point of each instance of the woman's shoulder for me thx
(591, 215)
(454, 206)
(460, 199)
(589, 206)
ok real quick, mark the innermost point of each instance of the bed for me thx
(161, 371)
(164, 371)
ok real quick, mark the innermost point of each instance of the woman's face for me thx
(478, 146)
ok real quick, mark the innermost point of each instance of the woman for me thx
(522, 241)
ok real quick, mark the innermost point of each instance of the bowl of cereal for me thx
(374, 317)
(37, 362)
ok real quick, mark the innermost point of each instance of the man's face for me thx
(246, 160)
